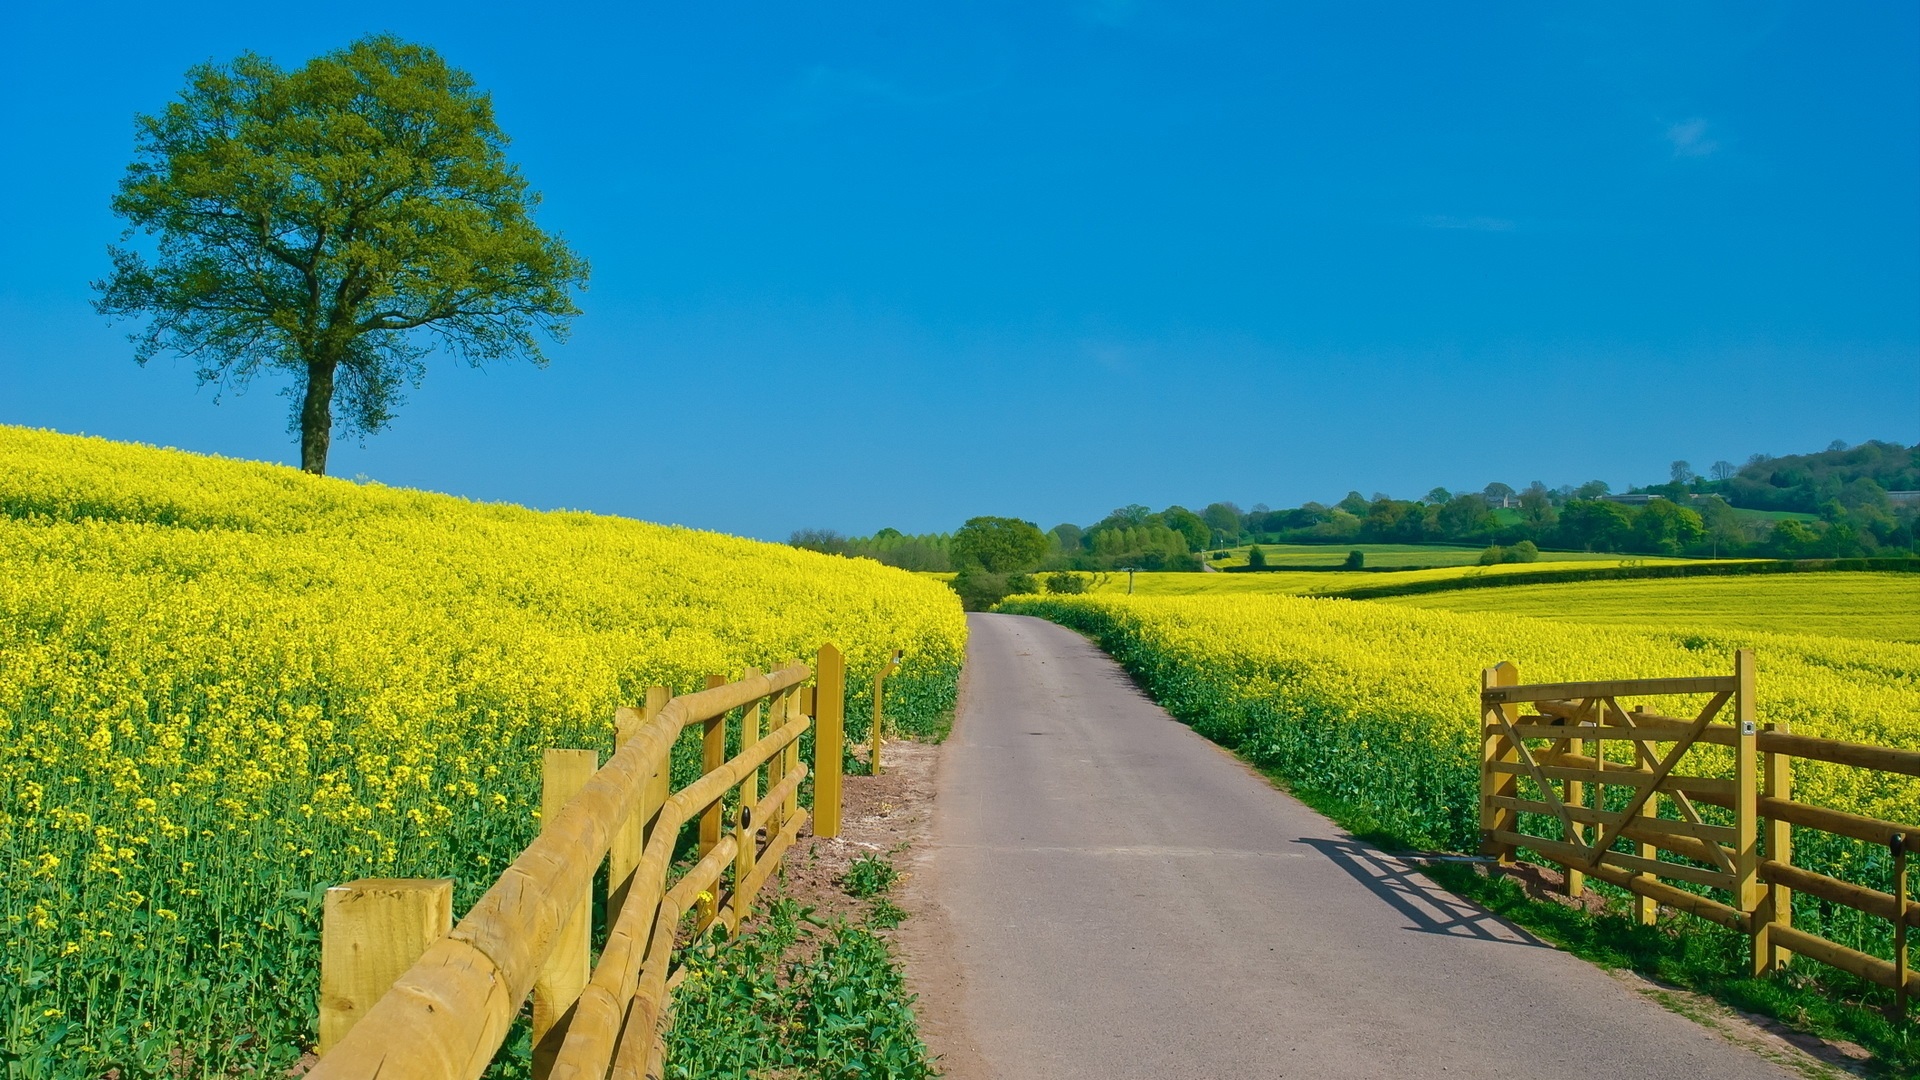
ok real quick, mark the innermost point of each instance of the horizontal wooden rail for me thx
(1871, 968)
(1678, 899)
(1858, 755)
(1662, 730)
(1637, 828)
(1620, 776)
(1507, 695)
(1833, 890)
(446, 1016)
(1576, 855)
(1837, 822)
(641, 1026)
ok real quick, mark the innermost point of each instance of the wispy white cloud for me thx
(1471, 224)
(1689, 138)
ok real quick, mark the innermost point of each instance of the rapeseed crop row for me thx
(1882, 606)
(1376, 706)
(225, 686)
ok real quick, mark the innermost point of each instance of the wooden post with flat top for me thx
(371, 932)
(1746, 807)
(779, 711)
(799, 704)
(1496, 747)
(1899, 846)
(1776, 906)
(570, 964)
(713, 755)
(745, 826)
(829, 731)
(1645, 910)
(1575, 794)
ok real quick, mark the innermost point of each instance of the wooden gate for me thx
(1596, 802)
(1705, 800)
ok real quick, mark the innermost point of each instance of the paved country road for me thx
(1120, 898)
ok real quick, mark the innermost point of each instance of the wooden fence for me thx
(1742, 858)
(405, 994)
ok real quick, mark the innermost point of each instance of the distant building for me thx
(1904, 498)
(1631, 500)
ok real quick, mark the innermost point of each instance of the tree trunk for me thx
(316, 417)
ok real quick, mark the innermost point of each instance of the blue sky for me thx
(878, 264)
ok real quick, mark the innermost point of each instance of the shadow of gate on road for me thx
(1430, 908)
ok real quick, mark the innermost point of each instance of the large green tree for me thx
(334, 223)
(999, 545)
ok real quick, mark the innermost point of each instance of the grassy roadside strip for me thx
(795, 992)
(812, 986)
(1623, 573)
(1394, 781)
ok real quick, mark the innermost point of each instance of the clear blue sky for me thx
(886, 264)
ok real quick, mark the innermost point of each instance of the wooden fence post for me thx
(1575, 794)
(1746, 808)
(745, 826)
(570, 964)
(829, 724)
(713, 755)
(623, 855)
(1645, 910)
(799, 704)
(1496, 747)
(661, 788)
(371, 932)
(879, 711)
(1776, 907)
(779, 711)
(1900, 969)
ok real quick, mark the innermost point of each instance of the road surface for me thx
(1122, 899)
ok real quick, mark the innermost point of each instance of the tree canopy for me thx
(334, 223)
(1000, 545)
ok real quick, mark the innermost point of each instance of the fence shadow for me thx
(1428, 907)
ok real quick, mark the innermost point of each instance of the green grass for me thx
(770, 1004)
(869, 876)
(1883, 607)
(1773, 515)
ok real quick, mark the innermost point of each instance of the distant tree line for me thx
(1842, 493)
(929, 552)
(1844, 490)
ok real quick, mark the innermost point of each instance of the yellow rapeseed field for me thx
(1877, 606)
(225, 686)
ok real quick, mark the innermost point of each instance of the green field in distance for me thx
(1884, 607)
(1424, 556)
(1309, 582)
